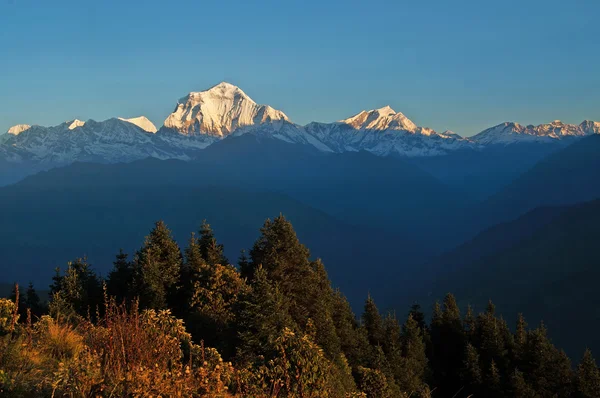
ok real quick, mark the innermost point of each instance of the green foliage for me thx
(9, 315)
(262, 317)
(373, 383)
(210, 250)
(373, 323)
(120, 279)
(413, 369)
(288, 333)
(588, 377)
(77, 292)
(157, 268)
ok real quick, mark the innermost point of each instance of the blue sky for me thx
(458, 65)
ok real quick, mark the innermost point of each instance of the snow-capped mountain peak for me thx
(75, 123)
(510, 133)
(380, 119)
(18, 129)
(142, 122)
(218, 112)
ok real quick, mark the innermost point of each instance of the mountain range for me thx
(224, 111)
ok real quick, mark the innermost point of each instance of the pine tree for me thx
(194, 271)
(448, 345)
(418, 316)
(547, 369)
(157, 268)
(33, 302)
(353, 342)
(392, 332)
(493, 386)
(243, 262)
(212, 307)
(519, 387)
(469, 324)
(304, 282)
(588, 377)
(373, 323)
(211, 251)
(120, 280)
(77, 292)
(414, 361)
(471, 370)
(262, 317)
(493, 339)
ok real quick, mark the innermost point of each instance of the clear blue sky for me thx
(459, 65)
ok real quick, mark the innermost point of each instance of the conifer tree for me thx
(353, 342)
(493, 382)
(588, 377)
(33, 302)
(448, 342)
(157, 268)
(414, 361)
(194, 271)
(471, 370)
(548, 370)
(304, 282)
(373, 323)
(520, 339)
(469, 324)
(243, 262)
(519, 387)
(262, 317)
(418, 316)
(120, 280)
(76, 292)
(211, 251)
(212, 307)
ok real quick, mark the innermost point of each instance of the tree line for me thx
(168, 322)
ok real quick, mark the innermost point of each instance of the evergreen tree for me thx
(588, 377)
(471, 370)
(519, 387)
(212, 307)
(547, 369)
(520, 341)
(493, 386)
(414, 361)
(262, 317)
(418, 316)
(304, 282)
(120, 279)
(243, 262)
(469, 324)
(195, 271)
(157, 268)
(448, 342)
(373, 323)
(493, 339)
(33, 302)
(211, 251)
(77, 292)
(353, 342)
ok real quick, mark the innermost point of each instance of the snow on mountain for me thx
(18, 129)
(218, 112)
(142, 122)
(510, 133)
(203, 118)
(383, 132)
(380, 119)
(109, 141)
(75, 123)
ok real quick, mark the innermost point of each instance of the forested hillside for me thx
(173, 322)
